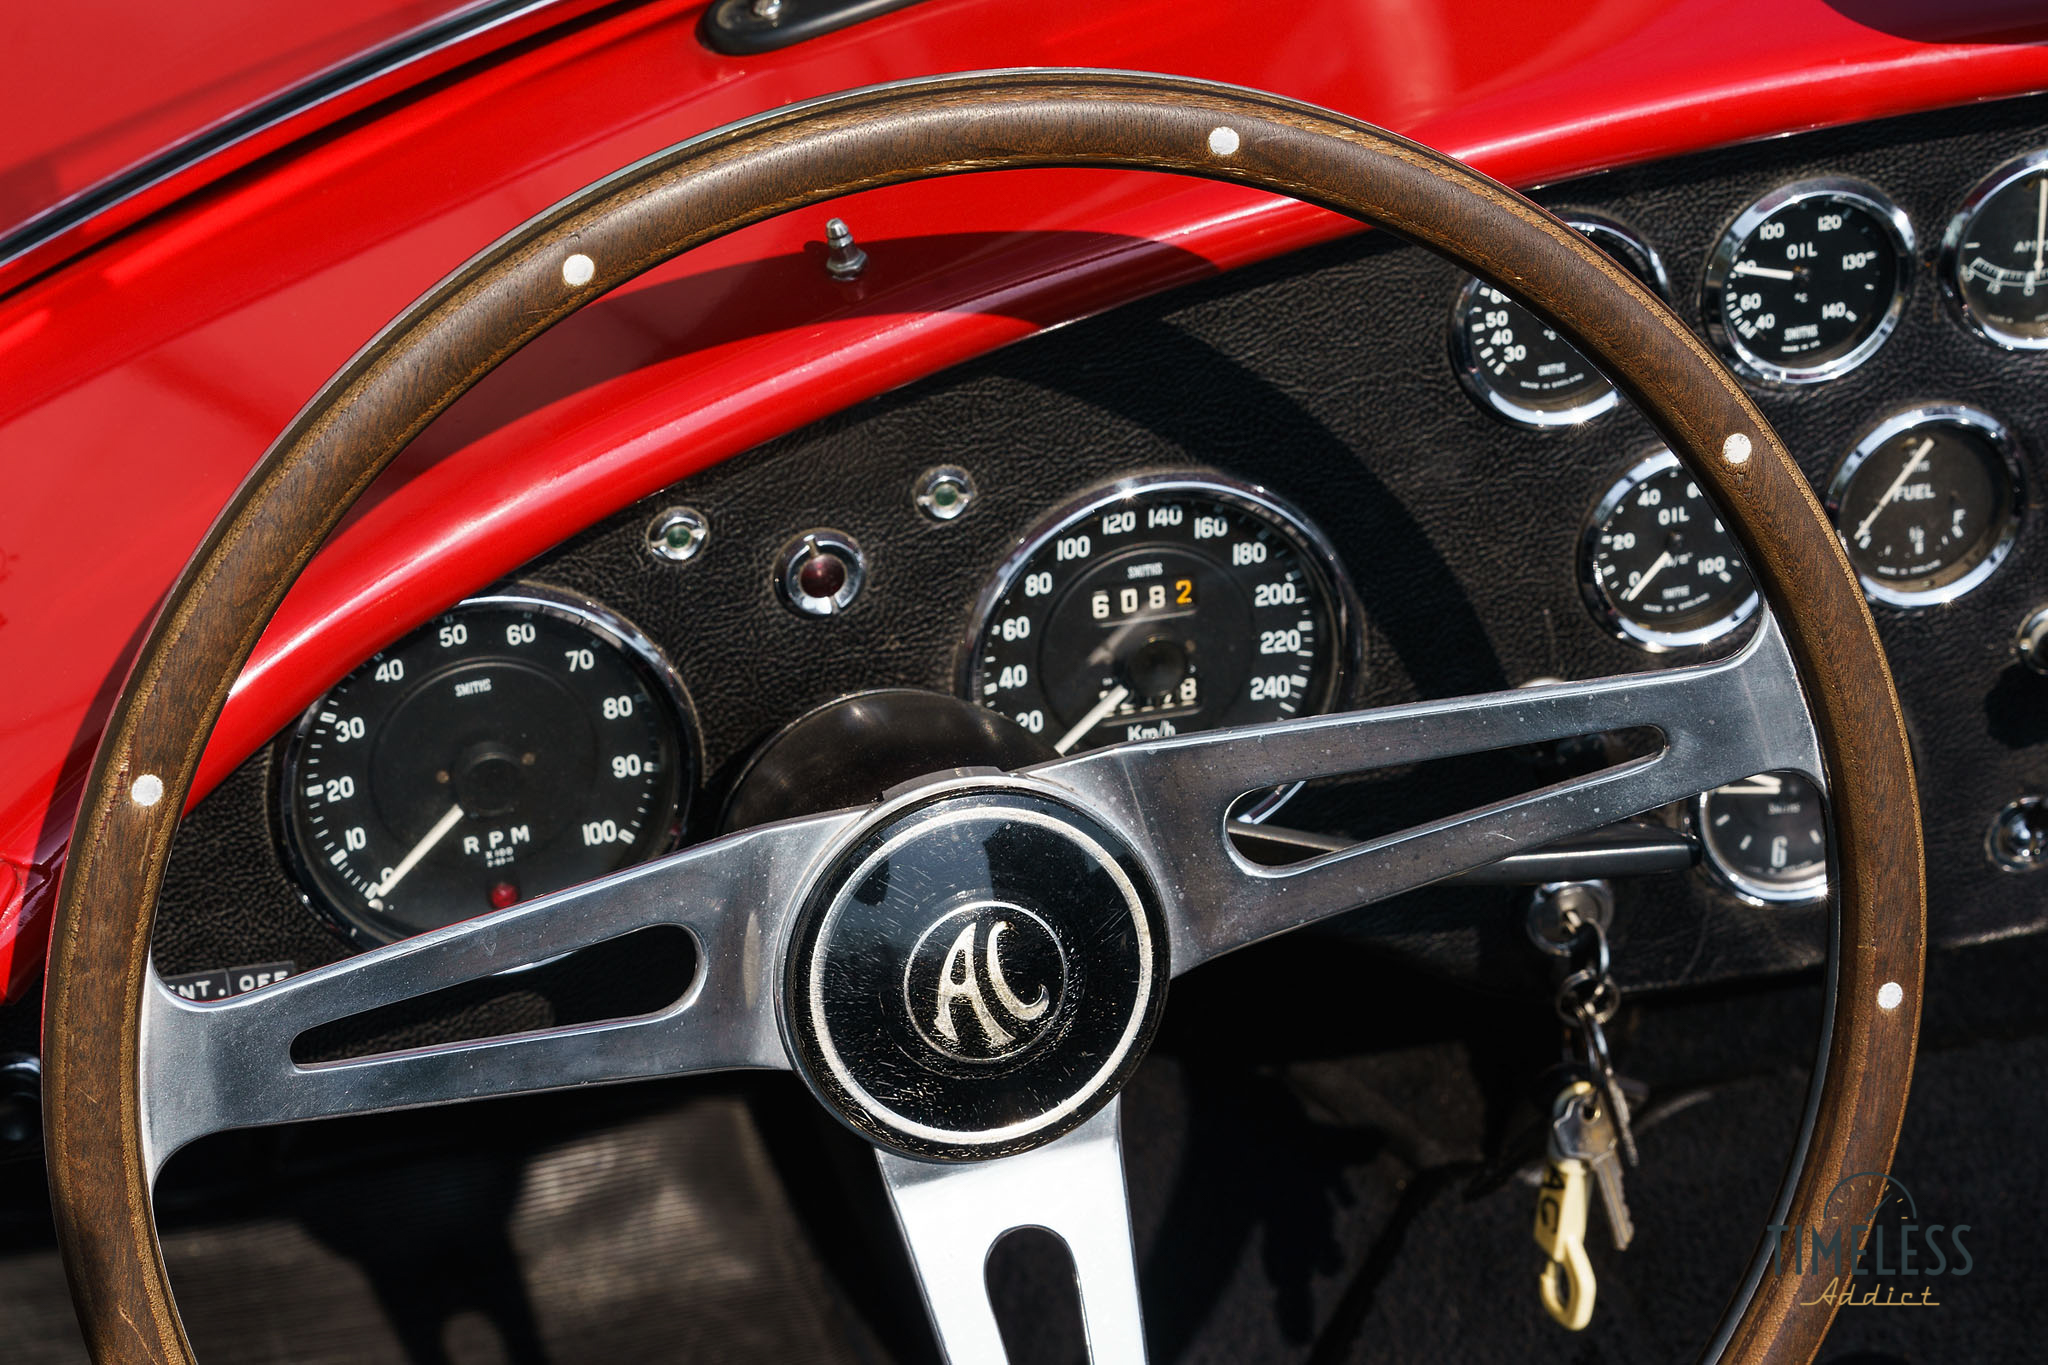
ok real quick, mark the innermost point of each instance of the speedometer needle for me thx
(1752, 268)
(1110, 701)
(1912, 466)
(419, 850)
(1663, 562)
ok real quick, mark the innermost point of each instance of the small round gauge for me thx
(1767, 837)
(1994, 256)
(1928, 503)
(1160, 605)
(1657, 565)
(1810, 280)
(1517, 366)
(520, 743)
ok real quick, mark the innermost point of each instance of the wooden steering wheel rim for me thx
(724, 180)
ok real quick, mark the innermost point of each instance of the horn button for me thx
(976, 973)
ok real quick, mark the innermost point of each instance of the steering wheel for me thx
(967, 972)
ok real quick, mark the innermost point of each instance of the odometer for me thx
(1809, 281)
(518, 744)
(1659, 567)
(1158, 606)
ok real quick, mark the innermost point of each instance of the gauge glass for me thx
(1928, 503)
(1517, 366)
(1160, 606)
(517, 744)
(1767, 837)
(1809, 281)
(1995, 255)
(1658, 565)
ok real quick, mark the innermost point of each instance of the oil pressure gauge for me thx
(1657, 565)
(1809, 281)
(1928, 503)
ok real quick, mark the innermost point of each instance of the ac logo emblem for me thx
(984, 983)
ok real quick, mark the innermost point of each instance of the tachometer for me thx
(1809, 281)
(1161, 605)
(1657, 565)
(519, 743)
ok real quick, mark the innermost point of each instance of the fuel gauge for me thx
(1928, 503)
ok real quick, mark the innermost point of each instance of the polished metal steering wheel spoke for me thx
(1720, 722)
(952, 1215)
(206, 1067)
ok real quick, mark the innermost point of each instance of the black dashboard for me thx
(1424, 493)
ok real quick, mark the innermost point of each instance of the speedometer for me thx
(517, 744)
(1809, 281)
(1160, 605)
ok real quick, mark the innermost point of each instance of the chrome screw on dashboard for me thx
(943, 492)
(677, 534)
(2018, 840)
(2032, 640)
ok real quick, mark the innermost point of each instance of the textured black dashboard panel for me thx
(1324, 376)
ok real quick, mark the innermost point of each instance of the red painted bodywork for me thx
(142, 377)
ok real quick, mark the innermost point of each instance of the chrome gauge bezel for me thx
(1949, 266)
(1604, 608)
(2002, 440)
(1806, 891)
(1315, 548)
(1618, 241)
(1722, 260)
(583, 611)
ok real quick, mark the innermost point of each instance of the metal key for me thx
(1601, 1064)
(1581, 1130)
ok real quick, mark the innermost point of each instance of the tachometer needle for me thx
(1752, 268)
(419, 850)
(1663, 562)
(1110, 701)
(1912, 467)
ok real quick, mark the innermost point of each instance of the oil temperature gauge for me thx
(1657, 566)
(1808, 282)
(1767, 837)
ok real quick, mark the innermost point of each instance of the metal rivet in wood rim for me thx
(148, 790)
(1736, 448)
(578, 271)
(1890, 995)
(1223, 141)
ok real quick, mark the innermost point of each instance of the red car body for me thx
(185, 266)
